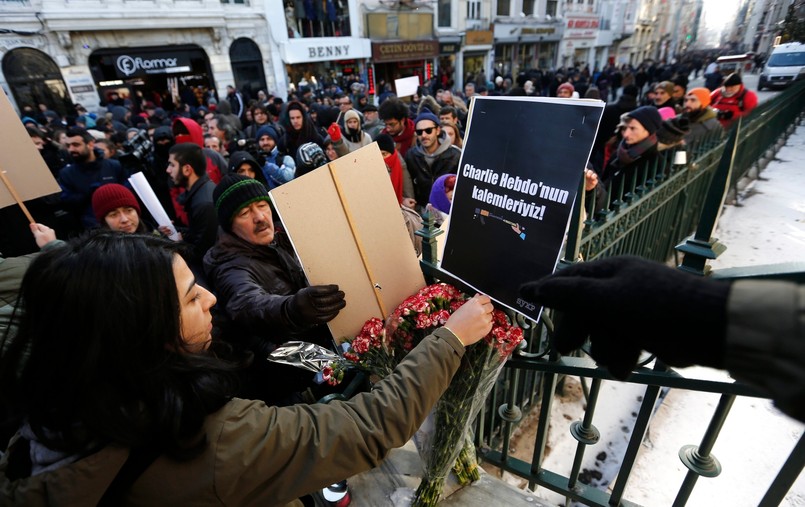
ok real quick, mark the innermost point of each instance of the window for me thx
(445, 20)
(241, 2)
(550, 8)
(474, 9)
(528, 7)
(504, 7)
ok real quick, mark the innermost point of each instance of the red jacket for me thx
(740, 104)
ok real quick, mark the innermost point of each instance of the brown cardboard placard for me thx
(347, 228)
(25, 169)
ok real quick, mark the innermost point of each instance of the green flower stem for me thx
(460, 402)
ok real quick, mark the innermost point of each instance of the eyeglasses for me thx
(428, 131)
(348, 103)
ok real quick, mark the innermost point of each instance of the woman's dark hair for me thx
(98, 357)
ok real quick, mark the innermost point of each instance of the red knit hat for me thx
(566, 86)
(112, 196)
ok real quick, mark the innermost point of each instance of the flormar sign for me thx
(400, 51)
(130, 65)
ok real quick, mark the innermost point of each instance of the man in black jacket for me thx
(263, 297)
(187, 167)
(433, 156)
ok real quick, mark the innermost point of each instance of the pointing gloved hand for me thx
(629, 304)
(335, 132)
(316, 304)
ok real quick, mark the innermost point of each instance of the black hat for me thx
(631, 90)
(673, 130)
(369, 107)
(234, 193)
(733, 79)
(385, 142)
(648, 116)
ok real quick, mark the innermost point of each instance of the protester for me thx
(158, 398)
(117, 209)
(702, 117)
(399, 126)
(733, 100)
(433, 156)
(753, 328)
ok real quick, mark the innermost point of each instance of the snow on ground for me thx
(768, 227)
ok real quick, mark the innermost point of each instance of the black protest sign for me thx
(520, 171)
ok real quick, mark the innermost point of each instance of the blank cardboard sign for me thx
(347, 228)
(24, 167)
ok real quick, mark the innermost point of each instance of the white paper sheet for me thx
(149, 198)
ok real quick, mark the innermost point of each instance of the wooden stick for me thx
(375, 286)
(16, 196)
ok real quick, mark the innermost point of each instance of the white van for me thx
(785, 65)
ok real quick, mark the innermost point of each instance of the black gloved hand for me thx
(316, 304)
(627, 304)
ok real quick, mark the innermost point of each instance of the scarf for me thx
(353, 136)
(395, 172)
(405, 139)
(629, 154)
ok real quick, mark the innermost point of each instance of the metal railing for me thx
(652, 215)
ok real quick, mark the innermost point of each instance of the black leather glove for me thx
(316, 304)
(629, 304)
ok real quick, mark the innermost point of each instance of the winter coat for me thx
(202, 219)
(701, 124)
(765, 343)
(606, 129)
(79, 181)
(253, 284)
(424, 168)
(739, 104)
(264, 455)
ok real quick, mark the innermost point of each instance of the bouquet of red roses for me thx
(378, 348)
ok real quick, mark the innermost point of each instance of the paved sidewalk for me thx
(768, 224)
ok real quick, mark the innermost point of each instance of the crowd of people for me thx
(227, 288)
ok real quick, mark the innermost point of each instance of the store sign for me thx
(478, 37)
(399, 51)
(449, 48)
(581, 28)
(324, 49)
(128, 65)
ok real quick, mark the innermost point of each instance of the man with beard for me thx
(432, 157)
(399, 126)
(701, 116)
(187, 167)
(263, 297)
(300, 129)
(88, 171)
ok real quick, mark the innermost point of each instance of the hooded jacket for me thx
(425, 168)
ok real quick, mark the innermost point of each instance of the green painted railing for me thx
(651, 216)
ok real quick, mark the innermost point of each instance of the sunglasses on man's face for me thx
(428, 130)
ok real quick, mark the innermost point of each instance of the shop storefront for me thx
(449, 53)
(166, 75)
(577, 47)
(476, 56)
(34, 78)
(395, 60)
(521, 48)
(318, 62)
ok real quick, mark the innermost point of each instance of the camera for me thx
(724, 115)
(136, 148)
(252, 147)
